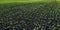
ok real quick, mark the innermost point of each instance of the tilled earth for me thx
(31, 16)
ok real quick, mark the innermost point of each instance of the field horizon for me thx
(23, 1)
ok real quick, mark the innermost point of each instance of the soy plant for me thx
(29, 16)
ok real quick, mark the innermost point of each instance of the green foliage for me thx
(30, 16)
